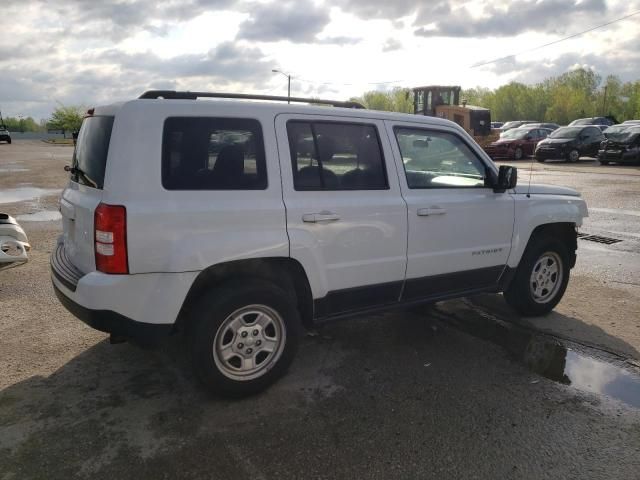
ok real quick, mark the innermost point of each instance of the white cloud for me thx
(86, 52)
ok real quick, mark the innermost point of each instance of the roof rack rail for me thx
(174, 95)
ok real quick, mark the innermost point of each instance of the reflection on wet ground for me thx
(42, 216)
(13, 167)
(22, 194)
(549, 357)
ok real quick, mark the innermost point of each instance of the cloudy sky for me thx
(92, 52)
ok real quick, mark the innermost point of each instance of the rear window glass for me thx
(203, 153)
(336, 156)
(90, 154)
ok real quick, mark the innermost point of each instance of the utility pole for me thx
(288, 83)
(604, 102)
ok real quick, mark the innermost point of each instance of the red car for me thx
(517, 143)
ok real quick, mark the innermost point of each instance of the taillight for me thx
(110, 230)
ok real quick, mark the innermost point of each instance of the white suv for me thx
(239, 221)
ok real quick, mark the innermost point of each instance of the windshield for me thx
(628, 135)
(513, 124)
(90, 155)
(566, 132)
(582, 121)
(514, 134)
(615, 129)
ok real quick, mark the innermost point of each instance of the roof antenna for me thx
(531, 171)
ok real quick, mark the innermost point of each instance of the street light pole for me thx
(288, 83)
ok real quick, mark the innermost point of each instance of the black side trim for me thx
(62, 268)
(115, 323)
(358, 298)
(451, 283)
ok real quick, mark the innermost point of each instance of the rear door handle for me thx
(320, 217)
(427, 212)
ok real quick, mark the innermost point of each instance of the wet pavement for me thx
(463, 389)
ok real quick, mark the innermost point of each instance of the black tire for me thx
(519, 293)
(211, 312)
(540, 160)
(604, 162)
(518, 154)
(573, 153)
(9, 141)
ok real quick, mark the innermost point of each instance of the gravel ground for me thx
(395, 395)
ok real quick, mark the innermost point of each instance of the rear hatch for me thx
(84, 192)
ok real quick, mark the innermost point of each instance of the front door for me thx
(459, 230)
(346, 219)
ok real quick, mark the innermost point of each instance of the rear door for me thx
(84, 192)
(346, 219)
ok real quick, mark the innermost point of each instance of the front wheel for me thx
(518, 154)
(573, 156)
(541, 278)
(243, 337)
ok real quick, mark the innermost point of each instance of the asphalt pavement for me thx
(463, 389)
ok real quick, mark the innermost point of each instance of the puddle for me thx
(547, 356)
(25, 193)
(42, 216)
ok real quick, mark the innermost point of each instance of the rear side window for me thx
(203, 153)
(336, 156)
(90, 154)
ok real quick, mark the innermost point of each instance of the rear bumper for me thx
(145, 298)
(113, 322)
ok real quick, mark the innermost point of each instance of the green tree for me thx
(394, 100)
(27, 124)
(67, 119)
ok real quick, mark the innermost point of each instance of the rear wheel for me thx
(243, 338)
(541, 278)
(604, 162)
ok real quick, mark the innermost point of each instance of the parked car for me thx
(548, 126)
(592, 121)
(5, 136)
(613, 129)
(570, 143)
(240, 221)
(630, 122)
(517, 143)
(14, 244)
(515, 124)
(496, 125)
(622, 146)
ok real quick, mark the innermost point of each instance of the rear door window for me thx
(90, 154)
(204, 153)
(336, 156)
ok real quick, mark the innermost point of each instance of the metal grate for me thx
(598, 238)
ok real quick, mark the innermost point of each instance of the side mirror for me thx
(507, 178)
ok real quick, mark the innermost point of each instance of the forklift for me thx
(444, 102)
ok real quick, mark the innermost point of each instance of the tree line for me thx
(576, 94)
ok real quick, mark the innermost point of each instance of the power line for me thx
(556, 41)
(347, 84)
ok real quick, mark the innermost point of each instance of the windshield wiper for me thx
(79, 171)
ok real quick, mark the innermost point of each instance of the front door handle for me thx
(427, 212)
(320, 217)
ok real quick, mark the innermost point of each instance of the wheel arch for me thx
(285, 272)
(565, 231)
